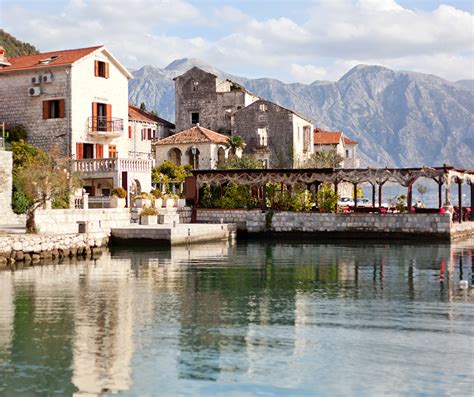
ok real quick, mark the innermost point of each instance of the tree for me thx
(43, 179)
(241, 163)
(422, 189)
(143, 106)
(234, 143)
(325, 159)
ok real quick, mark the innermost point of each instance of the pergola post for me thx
(440, 194)
(459, 182)
(373, 195)
(410, 198)
(336, 183)
(264, 197)
(380, 194)
(355, 195)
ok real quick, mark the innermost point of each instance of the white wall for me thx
(86, 89)
(207, 155)
(298, 141)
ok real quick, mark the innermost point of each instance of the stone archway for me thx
(174, 155)
(193, 158)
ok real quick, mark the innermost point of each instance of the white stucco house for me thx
(199, 147)
(337, 141)
(78, 100)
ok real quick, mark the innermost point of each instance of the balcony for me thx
(108, 167)
(109, 127)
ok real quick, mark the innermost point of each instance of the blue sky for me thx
(294, 41)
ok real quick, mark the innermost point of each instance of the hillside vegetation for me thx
(14, 47)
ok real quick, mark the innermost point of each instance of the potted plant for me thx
(171, 200)
(118, 197)
(149, 216)
(181, 200)
(157, 198)
(143, 200)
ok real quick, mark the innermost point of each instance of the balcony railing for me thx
(105, 126)
(88, 166)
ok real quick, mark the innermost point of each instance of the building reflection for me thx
(76, 328)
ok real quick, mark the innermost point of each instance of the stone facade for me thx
(276, 135)
(212, 100)
(355, 225)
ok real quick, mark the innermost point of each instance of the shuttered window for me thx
(129, 132)
(101, 69)
(53, 109)
(99, 151)
(79, 151)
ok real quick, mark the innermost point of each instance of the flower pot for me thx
(181, 203)
(148, 220)
(142, 203)
(169, 203)
(158, 203)
(116, 202)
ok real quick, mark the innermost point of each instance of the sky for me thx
(293, 41)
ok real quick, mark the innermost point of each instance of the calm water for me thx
(252, 319)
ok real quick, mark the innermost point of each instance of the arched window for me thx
(221, 156)
(174, 155)
(193, 155)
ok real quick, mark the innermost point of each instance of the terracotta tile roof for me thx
(195, 134)
(348, 141)
(135, 113)
(323, 137)
(65, 57)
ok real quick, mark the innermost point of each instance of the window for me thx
(195, 85)
(195, 118)
(263, 107)
(113, 151)
(47, 61)
(53, 109)
(262, 137)
(347, 154)
(101, 69)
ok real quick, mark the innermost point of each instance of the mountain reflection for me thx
(136, 318)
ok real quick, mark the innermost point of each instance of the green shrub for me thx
(145, 196)
(119, 192)
(327, 199)
(149, 211)
(157, 193)
(236, 196)
(61, 202)
(168, 171)
(20, 202)
(16, 133)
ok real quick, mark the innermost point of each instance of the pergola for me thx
(377, 177)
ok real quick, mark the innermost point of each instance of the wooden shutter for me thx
(96, 68)
(94, 116)
(99, 151)
(149, 134)
(108, 113)
(61, 108)
(106, 70)
(45, 109)
(79, 151)
(130, 132)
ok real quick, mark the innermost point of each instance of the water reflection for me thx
(257, 316)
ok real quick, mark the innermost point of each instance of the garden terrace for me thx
(258, 179)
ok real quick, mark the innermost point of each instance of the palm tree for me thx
(234, 143)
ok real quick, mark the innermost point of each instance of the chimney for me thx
(3, 59)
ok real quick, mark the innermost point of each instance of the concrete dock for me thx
(182, 233)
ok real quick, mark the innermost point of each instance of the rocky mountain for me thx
(399, 118)
(14, 47)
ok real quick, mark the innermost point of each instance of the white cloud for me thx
(308, 73)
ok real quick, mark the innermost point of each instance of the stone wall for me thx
(34, 248)
(66, 221)
(7, 216)
(356, 225)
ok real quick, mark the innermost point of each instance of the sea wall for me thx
(350, 225)
(69, 220)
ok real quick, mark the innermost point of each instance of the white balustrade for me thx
(113, 164)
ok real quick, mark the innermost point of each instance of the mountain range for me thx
(399, 118)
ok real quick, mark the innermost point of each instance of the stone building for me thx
(278, 136)
(197, 146)
(145, 128)
(337, 141)
(78, 100)
(202, 98)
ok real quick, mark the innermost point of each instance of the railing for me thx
(112, 165)
(106, 125)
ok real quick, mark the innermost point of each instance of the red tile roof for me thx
(135, 113)
(65, 57)
(195, 134)
(323, 137)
